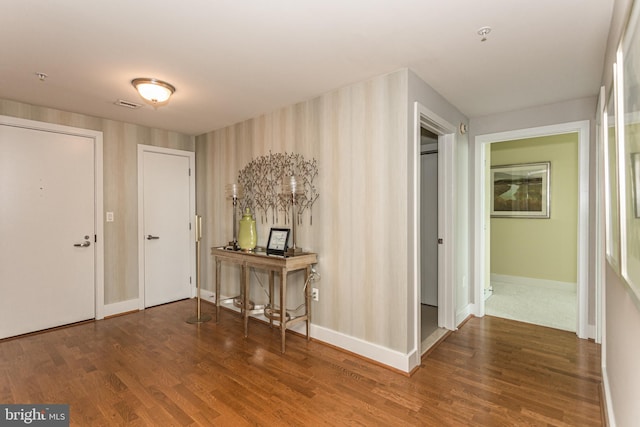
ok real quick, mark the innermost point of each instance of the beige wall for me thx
(120, 142)
(358, 136)
(620, 342)
(621, 346)
(540, 248)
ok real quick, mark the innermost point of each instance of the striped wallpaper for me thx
(358, 134)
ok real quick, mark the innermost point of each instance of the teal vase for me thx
(247, 236)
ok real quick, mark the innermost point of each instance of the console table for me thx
(273, 264)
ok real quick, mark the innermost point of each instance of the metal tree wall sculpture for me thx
(262, 182)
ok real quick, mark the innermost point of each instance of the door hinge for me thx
(189, 226)
(189, 171)
(189, 279)
(95, 238)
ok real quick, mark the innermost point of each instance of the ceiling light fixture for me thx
(482, 32)
(153, 90)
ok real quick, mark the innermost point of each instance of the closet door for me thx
(429, 228)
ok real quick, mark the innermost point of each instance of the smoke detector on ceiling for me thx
(483, 32)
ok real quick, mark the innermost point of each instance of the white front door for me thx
(47, 229)
(166, 230)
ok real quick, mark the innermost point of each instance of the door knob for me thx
(82, 245)
(150, 237)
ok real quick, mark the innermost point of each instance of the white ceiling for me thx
(233, 60)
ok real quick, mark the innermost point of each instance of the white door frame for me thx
(192, 209)
(600, 238)
(98, 193)
(425, 118)
(582, 128)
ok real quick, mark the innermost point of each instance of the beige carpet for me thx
(555, 308)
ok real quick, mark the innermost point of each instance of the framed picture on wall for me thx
(520, 191)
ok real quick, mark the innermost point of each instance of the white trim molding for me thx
(386, 356)
(607, 402)
(464, 313)
(541, 283)
(121, 307)
(423, 117)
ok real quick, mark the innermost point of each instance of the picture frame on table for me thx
(278, 242)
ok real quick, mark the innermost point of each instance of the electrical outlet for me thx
(315, 294)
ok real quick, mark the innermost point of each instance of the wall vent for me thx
(128, 104)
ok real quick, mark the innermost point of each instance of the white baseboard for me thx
(608, 404)
(591, 331)
(134, 304)
(121, 307)
(462, 315)
(207, 295)
(386, 356)
(518, 280)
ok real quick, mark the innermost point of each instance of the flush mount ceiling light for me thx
(153, 90)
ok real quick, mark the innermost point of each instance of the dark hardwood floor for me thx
(152, 368)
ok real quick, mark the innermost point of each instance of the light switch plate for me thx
(109, 216)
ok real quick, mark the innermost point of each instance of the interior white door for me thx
(429, 228)
(47, 230)
(167, 237)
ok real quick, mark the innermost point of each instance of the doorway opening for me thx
(428, 238)
(581, 232)
(442, 137)
(532, 258)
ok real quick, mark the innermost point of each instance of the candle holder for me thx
(199, 317)
(234, 192)
(292, 190)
